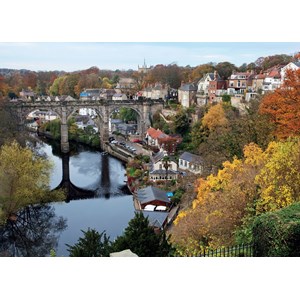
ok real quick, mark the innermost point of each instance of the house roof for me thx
(118, 95)
(274, 73)
(260, 76)
(156, 218)
(190, 157)
(297, 63)
(155, 133)
(188, 87)
(151, 193)
(157, 157)
(164, 172)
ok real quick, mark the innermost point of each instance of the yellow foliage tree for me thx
(24, 179)
(261, 182)
(215, 118)
(280, 177)
(221, 204)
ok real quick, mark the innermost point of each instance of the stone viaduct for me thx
(145, 109)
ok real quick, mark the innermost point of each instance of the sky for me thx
(72, 56)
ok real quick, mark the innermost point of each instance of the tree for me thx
(181, 122)
(226, 98)
(141, 239)
(283, 106)
(24, 179)
(277, 233)
(92, 244)
(215, 118)
(33, 232)
(166, 163)
(279, 178)
(200, 71)
(225, 69)
(221, 205)
(128, 114)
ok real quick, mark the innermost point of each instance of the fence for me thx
(234, 251)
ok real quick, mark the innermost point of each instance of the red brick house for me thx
(216, 88)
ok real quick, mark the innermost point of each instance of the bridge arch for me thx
(145, 108)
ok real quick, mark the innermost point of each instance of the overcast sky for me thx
(78, 56)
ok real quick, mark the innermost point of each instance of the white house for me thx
(87, 112)
(191, 162)
(202, 88)
(272, 80)
(290, 66)
(119, 96)
(158, 168)
(153, 135)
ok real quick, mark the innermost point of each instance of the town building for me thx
(191, 162)
(153, 135)
(216, 88)
(238, 82)
(290, 66)
(202, 89)
(152, 196)
(158, 169)
(187, 94)
(144, 69)
(119, 96)
(272, 80)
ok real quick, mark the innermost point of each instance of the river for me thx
(98, 199)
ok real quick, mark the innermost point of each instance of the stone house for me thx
(239, 82)
(258, 82)
(202, 89)
(125, 85)
(187, 94)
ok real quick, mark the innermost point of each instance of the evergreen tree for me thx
(91, 245)
(141, 239)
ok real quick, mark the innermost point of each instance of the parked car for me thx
(137, 141)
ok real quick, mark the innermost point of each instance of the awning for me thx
(149, 207)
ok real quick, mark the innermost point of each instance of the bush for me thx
(278, 233)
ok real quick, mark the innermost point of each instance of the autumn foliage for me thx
(283, 106)
(262, 181)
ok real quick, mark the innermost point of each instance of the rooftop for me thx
(190, 157)
(151, 193)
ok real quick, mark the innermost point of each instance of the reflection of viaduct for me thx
(74, 192)
(145, 109)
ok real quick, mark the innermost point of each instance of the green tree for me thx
(181, 122)
(141, 239)
(24, 179)
(277, 233)
(128, 114)
(92, 244)
(225, 69)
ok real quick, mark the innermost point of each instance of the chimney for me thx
(215, 76)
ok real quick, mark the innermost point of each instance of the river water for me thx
(98, 199)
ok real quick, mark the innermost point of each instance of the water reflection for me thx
(35, 232)
(73, 192)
